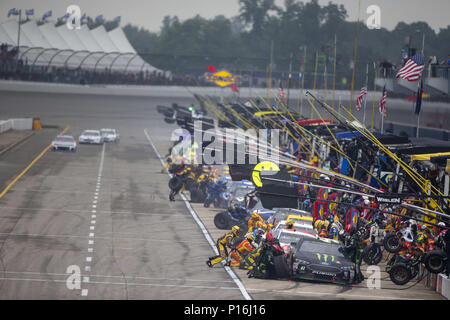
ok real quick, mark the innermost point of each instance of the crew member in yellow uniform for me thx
(222, 243)
(243, 249)
(253, 221)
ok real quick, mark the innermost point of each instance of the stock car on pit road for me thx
(64, 143)
(110, 135)
(91, 137)
(319, 259)
(284, 214)
(287, 238)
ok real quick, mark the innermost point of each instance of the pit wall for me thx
(16, 124)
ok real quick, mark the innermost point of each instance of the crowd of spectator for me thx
(12, 68)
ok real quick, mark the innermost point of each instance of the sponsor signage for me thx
(383, 198)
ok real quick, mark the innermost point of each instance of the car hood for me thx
(64, 143)
(324, 259)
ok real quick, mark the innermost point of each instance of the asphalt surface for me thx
(104, 211)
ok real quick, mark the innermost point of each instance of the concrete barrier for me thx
(22, 124)
(443, 286)
(5, 125)
(155, 91)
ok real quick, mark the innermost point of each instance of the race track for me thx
(105, 210)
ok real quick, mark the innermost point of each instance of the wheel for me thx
(175, 183)
(391, 243)
(207, 202)
(196, 196)
(372, 254)
(221, 220)
(435, 261)
(414, 270)
(281, 267)
(400, 274)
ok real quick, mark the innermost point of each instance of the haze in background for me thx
(150, 13)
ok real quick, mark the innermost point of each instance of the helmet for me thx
(349, 228)
(255, 214)
(269, 237)
(269, 226)
(250, 237)
(441, 224)
(235, 230)
(289, 223)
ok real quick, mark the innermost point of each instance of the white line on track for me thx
(205, 232)
(84, 292)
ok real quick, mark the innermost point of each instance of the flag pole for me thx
(289, 79)
(315, 81)
(374, 91)
(302, 72)
(269, 83)
(419, 91)
(334, 70)
(367, 90)
(354, 58)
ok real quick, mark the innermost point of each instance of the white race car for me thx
(110, 135)
(91, 137)
(66, 143)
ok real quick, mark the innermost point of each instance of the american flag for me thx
(412, 70)
(382, 107)
(360, 98)
(281, 94)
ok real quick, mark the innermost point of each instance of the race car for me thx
(319, 259)
(109, 135)
(91, 137)
(288, 238)
(66, 143)
(284, 213)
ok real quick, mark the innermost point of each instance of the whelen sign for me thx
(383, 198)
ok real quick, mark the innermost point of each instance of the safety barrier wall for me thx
(155, 91)
(411, 131)
(22, 124)
(443, 286)
(5, 125)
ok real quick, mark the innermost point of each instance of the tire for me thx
(400, 274)
(372, 254)
(281, 267)
(221, 221)
(175, 183)
(435, 261)
(189, 182)
(207, 202)
(414, 271)
(391, 243)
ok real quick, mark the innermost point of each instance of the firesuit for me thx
(243, 249)
(257, 261)
(253, 221)
(354, 250)
(224, 242)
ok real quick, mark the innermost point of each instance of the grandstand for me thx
(49, 46)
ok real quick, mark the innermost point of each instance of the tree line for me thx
(244, 43)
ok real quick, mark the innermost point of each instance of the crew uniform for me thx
(222, 243)
(243, 249)
(254, 221)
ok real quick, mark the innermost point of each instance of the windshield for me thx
(91, 133)
(287, 237)
(318, 246)
(64, 139)
(242, 191)
(108, 132)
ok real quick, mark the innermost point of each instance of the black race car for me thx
(319, 259)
